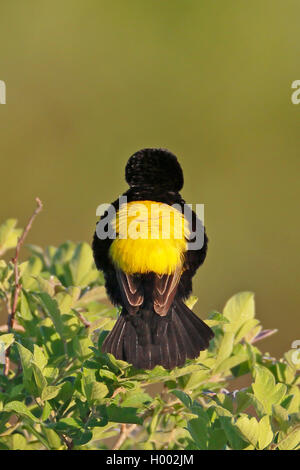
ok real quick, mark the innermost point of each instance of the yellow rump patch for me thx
(151, 237)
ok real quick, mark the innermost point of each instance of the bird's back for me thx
(150, 237)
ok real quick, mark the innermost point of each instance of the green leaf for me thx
(238, 310)
(123, 415)
(19, 409)
(265, 435)
(243, 400)
(50, 391)
(14, 441)
(81, 266)
(66, 391)
(292, 402)
(225, 348)
(231, 430)
(97, 294)
(82, 437)
(281, 416)
(218, 317)
(108, 375)
(230, 363)
(75, 429)
(195, 379)
(6, 340)
(251, 355)
(26, 360)
(39, 436)
(289, 441)
(29, 270)
(25, 311)
(225, 400)
(9, 235)
(265, 390)
(158, 373)
(246, 328)
(40, 380)
(45, 285)
(217, 440)
(39, 357)
(184, 397)
(53, 438)
(94, 391)
(191, 301)
(249, 429)
(201, 412)
(5, 273)
(136, 399)
(50, 307)
(66, 424)
(188, 369)
(46, 411)
(199, 432)
(259, 407)
(81, 346)
(16, 390)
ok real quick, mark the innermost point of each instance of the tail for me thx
(147, 339)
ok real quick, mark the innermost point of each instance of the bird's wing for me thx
(164, 291)
(165, 288)
(131, 291)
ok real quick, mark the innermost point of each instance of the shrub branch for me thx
(18, 286)
(124, 434)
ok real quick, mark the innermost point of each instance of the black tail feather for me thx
(145, 339)
(115, 337)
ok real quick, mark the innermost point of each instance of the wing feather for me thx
(165, 288)
(131, 291)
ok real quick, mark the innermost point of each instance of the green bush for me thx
(62, 392)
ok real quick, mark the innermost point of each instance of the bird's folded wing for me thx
(131, 290)
(165, 288)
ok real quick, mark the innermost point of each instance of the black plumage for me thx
(155, 326)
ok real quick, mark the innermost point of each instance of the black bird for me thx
(150, 278)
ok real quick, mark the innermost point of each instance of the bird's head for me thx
(154, 168)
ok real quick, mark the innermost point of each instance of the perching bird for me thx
(150, 277)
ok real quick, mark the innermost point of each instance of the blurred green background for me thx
(90, 82)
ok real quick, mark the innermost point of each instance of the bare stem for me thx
(81, 317)
(18, 286)
(125, 432)
(68, 441)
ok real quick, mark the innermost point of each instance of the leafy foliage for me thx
(63, 392)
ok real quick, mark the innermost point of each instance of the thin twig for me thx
(83, 320)
(117, 391)
(68, 441)
(18, 286)
(125, 432)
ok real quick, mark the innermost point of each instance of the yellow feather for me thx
(151, 236)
